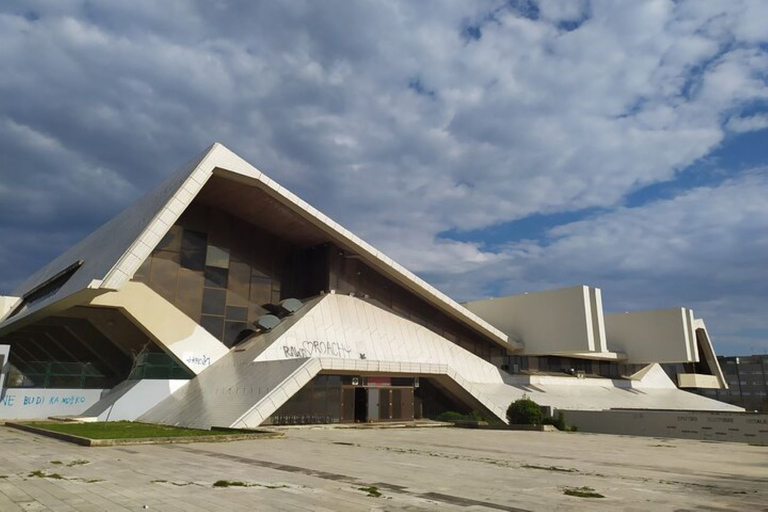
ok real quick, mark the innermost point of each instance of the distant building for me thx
(747, 378)
(222, 299)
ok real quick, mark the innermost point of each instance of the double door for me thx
(372, 404)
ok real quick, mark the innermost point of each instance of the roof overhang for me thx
(370, 255)
(114, 252)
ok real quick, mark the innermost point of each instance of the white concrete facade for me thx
(653, 336)
(565, 321)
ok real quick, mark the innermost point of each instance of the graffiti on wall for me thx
(12, 400)
(317, 349)
(196, 360)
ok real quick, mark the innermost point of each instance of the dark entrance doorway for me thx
(361, 405)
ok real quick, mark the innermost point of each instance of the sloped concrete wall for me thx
(348, 328)
(131, 399)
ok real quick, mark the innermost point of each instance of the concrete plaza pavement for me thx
(414, 469)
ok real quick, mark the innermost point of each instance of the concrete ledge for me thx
(85, 441)
(468, 423)
(369, 426)
(534, 428)
(485, 426)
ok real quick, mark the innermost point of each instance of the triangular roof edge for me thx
(150, 218)
(221, 157)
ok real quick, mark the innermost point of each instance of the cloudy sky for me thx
(492, 147)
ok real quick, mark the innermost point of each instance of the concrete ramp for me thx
(224, 393)
(648, 389)
(131, 398)
(332, 334)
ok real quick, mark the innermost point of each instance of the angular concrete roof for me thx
(112, 254)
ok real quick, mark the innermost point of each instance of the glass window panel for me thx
(242, 241)
(237, 313)
(217, 257)
(219, 226)
(216, 277)
(239, 283)
(319, 406)
(195, 217)
(262, 257)
(232, 330)
(142, 274)
(255, 311)
(189, 293)
(166, 255)
(171, 241)
(163, 276)
(193, 249)
(304, 400)
(333, 405)
(214, 325)
(397, 406)
(261, 290)
(214, 301)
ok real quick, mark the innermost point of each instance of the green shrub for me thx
(477, 416)
(558, 421)
(451, 416)
(524, 412)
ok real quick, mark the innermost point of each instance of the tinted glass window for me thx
(193, 249)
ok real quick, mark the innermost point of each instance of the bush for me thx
(558, 421)
(524, 412)
(450, 416)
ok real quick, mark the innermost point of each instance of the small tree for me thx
(524, 412)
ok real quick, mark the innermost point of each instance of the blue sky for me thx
(492, 147)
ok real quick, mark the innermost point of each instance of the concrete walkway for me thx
(414, 469)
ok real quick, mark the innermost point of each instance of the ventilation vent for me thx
(266, 323)
(290, 306)
(242, 336)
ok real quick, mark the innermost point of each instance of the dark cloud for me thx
(402, 120)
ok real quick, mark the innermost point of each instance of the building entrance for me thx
(349, 399)
(361, 405)
(372, 399)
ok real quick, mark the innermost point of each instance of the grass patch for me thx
(372, 490)
(229, 483)
(238, 483)
(582, 492)
(123, 430)
(57, 462)
(78, 462)
(2, 477)
(88, 480)
(42, 474)
(550, 468)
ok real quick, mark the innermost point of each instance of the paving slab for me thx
(414, 469)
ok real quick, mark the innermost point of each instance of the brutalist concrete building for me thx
(222, 299)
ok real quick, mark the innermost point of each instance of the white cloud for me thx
(532, 117)
(704, 248)
(748, 124)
